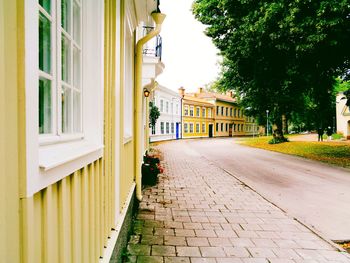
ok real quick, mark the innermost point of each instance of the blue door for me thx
(177, 131)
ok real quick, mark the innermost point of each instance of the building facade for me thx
(343, 116)
(197, 116)
(229, 119)
(168, 126)
(71, 146)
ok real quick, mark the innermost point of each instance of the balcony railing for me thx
(154, 47)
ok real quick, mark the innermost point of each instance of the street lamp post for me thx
(267, 122)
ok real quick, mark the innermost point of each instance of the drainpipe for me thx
(158, 19)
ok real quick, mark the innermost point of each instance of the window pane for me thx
(45, 106)
(65, 14)
(65, 55)
(76, 23)
(44, 44)
(77, 112)
(66, 103)
(46, 4)
(76, 68)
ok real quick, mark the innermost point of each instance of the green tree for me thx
(154, 114)
(280, 55)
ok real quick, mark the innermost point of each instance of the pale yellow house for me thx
(71, 147)
(197, 116)
(229, 117)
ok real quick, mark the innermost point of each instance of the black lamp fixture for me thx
(146, 92)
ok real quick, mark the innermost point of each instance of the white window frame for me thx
(177, 109)
(186, 110)
(198, 127)
(191, 127)
(172, 129)
(129, 34)
(167, 127)
(191, 111)
(204, 112)
(48, 162)
(198, 111)
(185, 127)
(203, 126)
(167, 106)
(209, 112)
(161, 105)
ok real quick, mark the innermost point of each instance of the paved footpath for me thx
(199, 213)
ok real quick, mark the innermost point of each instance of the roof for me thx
(197, 100)
(212, 95)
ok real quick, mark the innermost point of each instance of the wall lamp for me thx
(146, 92)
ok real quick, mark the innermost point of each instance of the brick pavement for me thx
(199, 213)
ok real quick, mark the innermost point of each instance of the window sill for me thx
(54, 156)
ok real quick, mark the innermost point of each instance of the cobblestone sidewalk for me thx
(199, 213)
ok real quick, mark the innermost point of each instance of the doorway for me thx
(177, 131)
(210, 130)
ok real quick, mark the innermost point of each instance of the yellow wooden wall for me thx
(69, 221)
(10, 134)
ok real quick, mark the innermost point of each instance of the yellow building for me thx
(229, 118)
(197, 116)
(71, 147)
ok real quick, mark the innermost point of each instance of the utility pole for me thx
(267, 122)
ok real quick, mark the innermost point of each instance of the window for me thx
(161, 106)
(167, 128)
(191, 127)
(64, 73)
(172, 108)
(197, 128)
(234, 127)
(128, 81)
(222, 111)
(191, 111)
(239, 113)
(231, 112)
(154, 129)
(186, 110)
(226, 126)
(209, 113)
(217, 127)
(235, 113)
(203, 112)
(177, 109)
(197, 111)
(238, 127)
(185, 127)
(172, 127)
(217, 110)
(162, 127)
(60, 69)
(167, 107)
(222, 127)
(203, 127)
(226, 111)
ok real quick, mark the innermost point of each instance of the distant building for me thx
(229, 118)
(197, 116)
(168, 126)
(343, 116)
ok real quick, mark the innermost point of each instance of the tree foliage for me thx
(280, 55)
(154, 114)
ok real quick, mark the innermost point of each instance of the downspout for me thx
(150, 87)
(158, 19)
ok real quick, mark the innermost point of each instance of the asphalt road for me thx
(314, 193)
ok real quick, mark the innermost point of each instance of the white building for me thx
(168, 126)
(343, 116)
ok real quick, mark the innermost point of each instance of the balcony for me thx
(154, 47)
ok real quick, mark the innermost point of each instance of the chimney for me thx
(229, 93)
(200, 90)
(182, 91)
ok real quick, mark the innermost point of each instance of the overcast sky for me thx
(189, 56)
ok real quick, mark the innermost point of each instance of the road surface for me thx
(314, 193)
